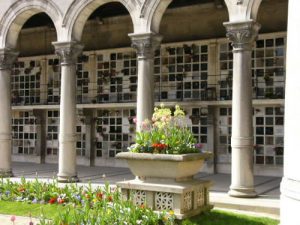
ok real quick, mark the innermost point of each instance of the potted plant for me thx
(168, 142)
(164, 159)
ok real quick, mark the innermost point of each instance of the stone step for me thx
(261, 204)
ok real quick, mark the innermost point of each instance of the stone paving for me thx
(266, 187)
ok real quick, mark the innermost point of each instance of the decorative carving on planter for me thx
(139, 197)
(187, 201)
(200, 197)
(164, 201)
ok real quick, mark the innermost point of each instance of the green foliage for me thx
(215, 217)
(79, 204)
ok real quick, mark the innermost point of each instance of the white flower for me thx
(145, 217)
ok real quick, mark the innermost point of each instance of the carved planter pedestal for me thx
(166, 182)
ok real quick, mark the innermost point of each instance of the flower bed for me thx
(84, 204)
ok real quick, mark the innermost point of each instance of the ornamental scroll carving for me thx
(68, 52)
(145, 44)
(7, 58)
(242, 35)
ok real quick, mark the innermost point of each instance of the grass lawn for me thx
(24, 209)
(215, 217)
(218, 217)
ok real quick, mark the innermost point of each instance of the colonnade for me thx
(242, 30)
(145, 39)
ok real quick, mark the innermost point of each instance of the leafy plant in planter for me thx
(164, 159)
(167, 133)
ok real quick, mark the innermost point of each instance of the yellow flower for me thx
(171, 212)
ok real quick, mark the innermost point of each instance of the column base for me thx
(6, 173)
(67, 179)
(242, 192)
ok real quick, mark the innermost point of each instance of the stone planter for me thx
(166, 182)
(156, 166)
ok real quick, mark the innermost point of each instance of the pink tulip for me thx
(12, 219)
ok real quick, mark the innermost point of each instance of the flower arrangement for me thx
(167, 133)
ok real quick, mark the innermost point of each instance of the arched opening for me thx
(18, 13)
(187, 68)
(79, 12)
(34, 135)
(36, 36)
(106, 73)
(107, 27)
(278, 21)
(198, 20)
(268, 75)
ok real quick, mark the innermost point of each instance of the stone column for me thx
(290, 185)
(68, 53)
(7, 58)
(145, 44)
(242, 35)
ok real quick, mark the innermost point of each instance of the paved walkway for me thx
(266, 187)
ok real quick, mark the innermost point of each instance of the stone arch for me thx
(18, 13)
(242, 10)
(152, 12)
(79, 12)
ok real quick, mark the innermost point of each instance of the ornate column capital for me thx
(68, 51)
(145, 44)
(7, 58)
(242, 34)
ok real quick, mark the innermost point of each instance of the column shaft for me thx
(146, 44)
(68, 53)
(145, 91)
(242, 128)
(7, 57)
(242, 36)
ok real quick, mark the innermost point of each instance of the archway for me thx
(79, 12)
(104, 75)
(26, 82)
(187, 69)
(32, 84)
(19, 13)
